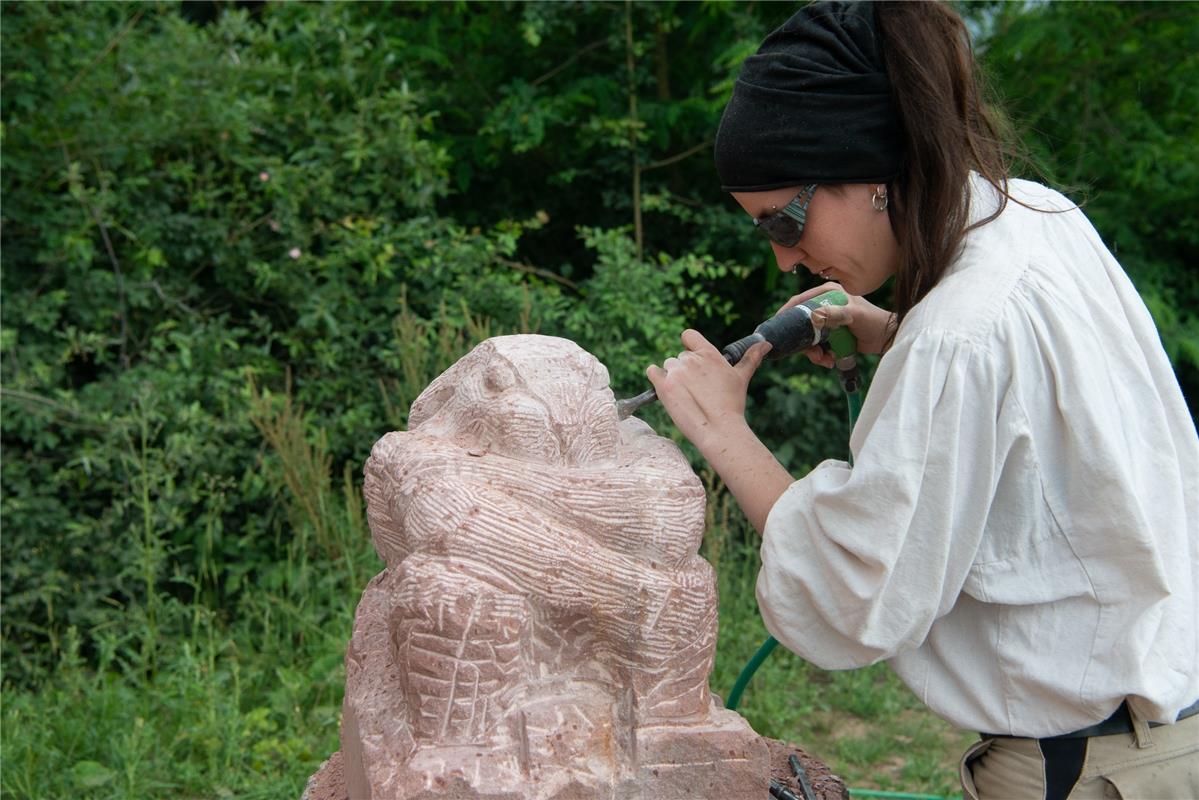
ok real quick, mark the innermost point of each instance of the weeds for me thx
(305, 465)
(249, 709)
(424, 349)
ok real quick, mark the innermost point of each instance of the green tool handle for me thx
(842, 342)
(844, 346)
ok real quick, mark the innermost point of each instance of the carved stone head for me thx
(531, 398)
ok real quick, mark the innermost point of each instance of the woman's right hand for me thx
(869, 324)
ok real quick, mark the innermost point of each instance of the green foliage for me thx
(1105, 93)
(245, 710)
(640, 306)
(193, 211)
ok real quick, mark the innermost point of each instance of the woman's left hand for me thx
(703, 394)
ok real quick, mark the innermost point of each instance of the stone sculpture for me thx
(545, 626)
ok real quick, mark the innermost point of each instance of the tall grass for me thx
(186, 700)
(249, 708)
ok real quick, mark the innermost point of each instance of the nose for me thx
(787, 257)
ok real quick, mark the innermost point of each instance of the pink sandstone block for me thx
(544, 627)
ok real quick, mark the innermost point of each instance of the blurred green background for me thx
(239, 238)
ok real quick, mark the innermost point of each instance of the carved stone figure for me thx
(545, 626)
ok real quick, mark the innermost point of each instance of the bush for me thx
(196, 211)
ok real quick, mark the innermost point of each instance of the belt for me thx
(1065, 754)
(1119, 722)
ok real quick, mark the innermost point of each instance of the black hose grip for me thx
(736, 351)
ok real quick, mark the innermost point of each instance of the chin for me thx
(850, 285)
(863, 288)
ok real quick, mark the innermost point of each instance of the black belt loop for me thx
(1063, 764)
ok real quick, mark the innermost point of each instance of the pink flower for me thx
(275, 226)
(264, 176)
(294, 252)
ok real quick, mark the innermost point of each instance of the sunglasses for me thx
(786, 226)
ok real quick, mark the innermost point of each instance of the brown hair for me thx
(947, 131)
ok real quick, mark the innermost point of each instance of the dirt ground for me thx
(825, 785)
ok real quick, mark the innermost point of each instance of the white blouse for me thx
(1019, 534)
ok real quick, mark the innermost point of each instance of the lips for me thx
(822, 272)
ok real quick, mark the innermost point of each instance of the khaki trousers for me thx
(1159, 763)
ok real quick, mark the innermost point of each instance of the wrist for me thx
(749, 470)
(721, 434)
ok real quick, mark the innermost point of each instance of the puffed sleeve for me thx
(857, 563)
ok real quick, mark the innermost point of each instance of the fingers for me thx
(810, 293)
(670, 367)
(832, 317)
(676, 388)
(695, 342)
(820, 357)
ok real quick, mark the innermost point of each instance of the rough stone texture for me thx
(545, 626)
(329, 782)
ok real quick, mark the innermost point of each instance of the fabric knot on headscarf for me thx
(812, 105)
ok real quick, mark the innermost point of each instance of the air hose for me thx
(844, 347)
(898, 795)
(848, 374)
(847, 371)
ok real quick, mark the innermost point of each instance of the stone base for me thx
(673, 779)
(725, 759)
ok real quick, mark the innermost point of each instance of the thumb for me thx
(752, 359)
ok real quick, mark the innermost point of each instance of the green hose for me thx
(854, 408)
(854, 401)
(748, 671)
(901, 795)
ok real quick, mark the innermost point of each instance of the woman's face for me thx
(844, 240)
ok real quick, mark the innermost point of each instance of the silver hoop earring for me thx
(879, 201)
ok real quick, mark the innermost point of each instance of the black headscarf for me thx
(813, 104)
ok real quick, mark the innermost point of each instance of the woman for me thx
(1019, 534)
